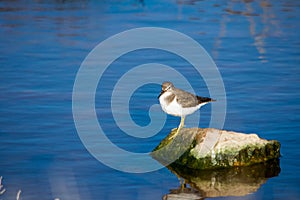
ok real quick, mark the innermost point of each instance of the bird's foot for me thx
(175, 134)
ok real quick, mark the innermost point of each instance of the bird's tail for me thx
(204, 99)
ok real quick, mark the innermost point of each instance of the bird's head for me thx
(166, 86)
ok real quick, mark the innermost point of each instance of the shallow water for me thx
(255, 45)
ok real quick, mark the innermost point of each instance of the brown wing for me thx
(187, 99)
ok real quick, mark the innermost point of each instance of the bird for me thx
(180, 103)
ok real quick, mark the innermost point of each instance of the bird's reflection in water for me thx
(237, 181)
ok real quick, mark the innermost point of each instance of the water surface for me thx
(255, 45)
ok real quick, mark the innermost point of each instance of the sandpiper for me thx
(180, 103)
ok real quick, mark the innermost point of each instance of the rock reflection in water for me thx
(238, 181)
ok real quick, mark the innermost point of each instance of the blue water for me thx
(255, 45)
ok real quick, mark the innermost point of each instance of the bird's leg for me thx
(179, 127)
(181, 122)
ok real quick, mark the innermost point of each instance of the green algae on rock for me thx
(211, 148)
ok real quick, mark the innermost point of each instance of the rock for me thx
(211, 148)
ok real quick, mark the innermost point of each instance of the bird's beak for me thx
(161, 92)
